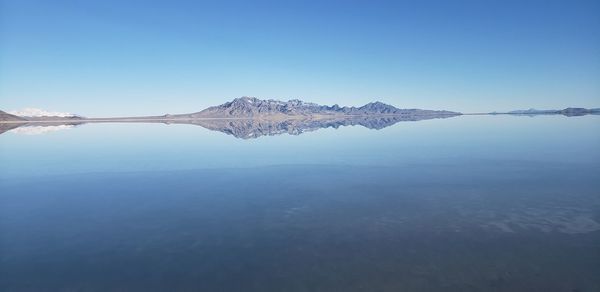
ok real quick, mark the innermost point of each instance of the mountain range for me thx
(252, 107)
(250, 117)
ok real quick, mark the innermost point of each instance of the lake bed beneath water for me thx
(469, 203)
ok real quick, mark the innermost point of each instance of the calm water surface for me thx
(471, 203)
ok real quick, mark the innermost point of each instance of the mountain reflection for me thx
(251, 129)
(28, 128)
(247, 128)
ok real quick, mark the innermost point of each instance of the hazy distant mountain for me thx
(53, 118)
(571, 111)
(6, 117)
(36, 112)
(251, 107)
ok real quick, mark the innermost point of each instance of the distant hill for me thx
(37, 115)
(54, 119)
(571, 111)
(251, 107)
(6, 117)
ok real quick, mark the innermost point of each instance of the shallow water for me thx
(470, 203)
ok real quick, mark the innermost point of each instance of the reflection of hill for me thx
(253, 128)
(7, 127)
(38, 127)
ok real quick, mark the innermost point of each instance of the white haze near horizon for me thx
(36, 112)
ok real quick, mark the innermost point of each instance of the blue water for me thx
(470, 203)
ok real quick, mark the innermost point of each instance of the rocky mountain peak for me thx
(252, 107)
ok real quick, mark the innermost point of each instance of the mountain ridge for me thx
(252, 107)
(6, 117)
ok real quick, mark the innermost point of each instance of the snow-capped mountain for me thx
(36, 112)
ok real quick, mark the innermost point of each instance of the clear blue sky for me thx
(99, 58)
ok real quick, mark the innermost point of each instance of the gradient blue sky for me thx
(110, 58)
